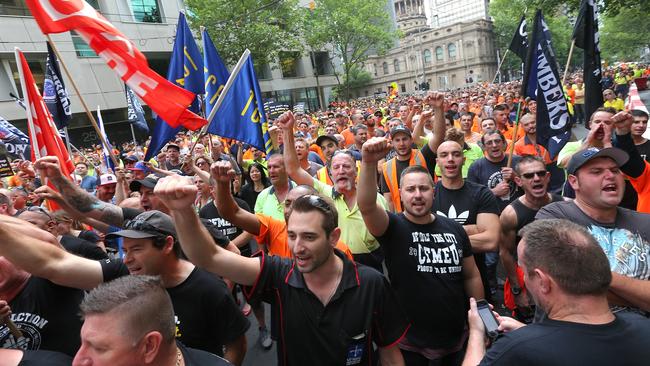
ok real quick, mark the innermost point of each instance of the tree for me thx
(358, 79)
(265, 27)
(353, 29)
(623, 36)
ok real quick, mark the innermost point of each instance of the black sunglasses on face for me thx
(541, 174)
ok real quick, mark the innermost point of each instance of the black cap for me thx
(322, 138)
(132, 158)
(148, 224)
(582, 157)
(149, 181)
(400, 129)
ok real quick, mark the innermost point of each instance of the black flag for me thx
(519, 44)
(54, 93)
(134, 111)
(542, 83)
(586, 37)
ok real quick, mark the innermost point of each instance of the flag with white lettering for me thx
(542, 83)
(167, 100)
(519, 43)
(54, 93)
(586, 37)
(135, 113)
(16, 142)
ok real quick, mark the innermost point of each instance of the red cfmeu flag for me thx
(167, 100)
(43, 134)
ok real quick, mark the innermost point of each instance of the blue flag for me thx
(135, 113)
(542, 83)
(54, 93)
(16, 142)
(186, 71)
(215, 73)
(108, 162)
(241, 115)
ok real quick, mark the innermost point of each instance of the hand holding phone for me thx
(488, 318)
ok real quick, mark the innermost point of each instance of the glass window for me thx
(385, 67)
(14, 7)
(81, 48)
(36, 64)
(289, 64)
(263, 72)
(451, 50)
(321, 63)
(147, 11)
(427, 56)
(396, 65)
(439, 54)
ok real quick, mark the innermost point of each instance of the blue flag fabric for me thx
(135, 113)
(108, 162)
(54, 94)
(241, 115)
(16, 142)
(186, 71)
(542, 82)
(215, 72)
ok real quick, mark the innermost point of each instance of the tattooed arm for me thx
(76, 197)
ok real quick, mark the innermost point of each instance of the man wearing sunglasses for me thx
(533, 178)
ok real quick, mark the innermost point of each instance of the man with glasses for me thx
(532, 177)
(331, 310)
(151, 248)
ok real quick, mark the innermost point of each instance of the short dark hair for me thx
(314, 202)
(359, 127)
(82, 163)
(415, 169)
(638, 113)
(569, 254)
(141, 300)
(527, 159)
(501, 107)
(160, 241)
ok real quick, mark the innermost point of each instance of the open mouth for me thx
(610, 188)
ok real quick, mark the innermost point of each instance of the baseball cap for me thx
(107, 179)
(132, 158)
(322, 138)
(171, 144)
(141, 167)
(148, 224)
(400, 128)
(149, 181)
(582, 157)
(379, 113)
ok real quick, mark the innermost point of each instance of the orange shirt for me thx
(509, 132)
(273, 234)
(348, 136)
(642, 186)
(526, 147)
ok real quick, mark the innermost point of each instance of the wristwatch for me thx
(516, 290)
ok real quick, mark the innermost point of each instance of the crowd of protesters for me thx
(369, 233)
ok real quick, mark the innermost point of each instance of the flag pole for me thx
(500, 64)
(67, 140)
(568, 61)
(83, 103)
(133, 134)
(514, 136)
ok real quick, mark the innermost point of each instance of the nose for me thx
(80, 359)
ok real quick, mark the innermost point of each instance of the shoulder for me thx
(195, 357)
(518, 346)
(508, 217)
(556, 210)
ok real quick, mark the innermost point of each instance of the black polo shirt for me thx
(362, 311)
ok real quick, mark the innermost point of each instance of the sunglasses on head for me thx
(541, 174)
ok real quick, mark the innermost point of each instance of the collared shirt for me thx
(526, 147)
(362, 311)
(267, 203)
(354, 232)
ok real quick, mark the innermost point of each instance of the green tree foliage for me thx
(623, 36)
(265, 27)
(352, 29)
(358, 79)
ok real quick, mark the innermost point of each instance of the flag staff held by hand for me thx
(83, 103)
(514, 134)
(568, 61)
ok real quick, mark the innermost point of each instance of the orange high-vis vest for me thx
(390, 175)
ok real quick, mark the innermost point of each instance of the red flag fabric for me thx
(43, 134)
(167, 100)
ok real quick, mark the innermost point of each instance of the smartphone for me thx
(490, 322)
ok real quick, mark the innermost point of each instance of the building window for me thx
(146, 11)
(321, 63)
(374, 68)
(263, 72)
(396, 65)
(451, 50)
(385, 68)
(402, 87)
(14, 7)
(289, 63)
(439, 54)
(36, 65)
(81, 48)
(427, 56)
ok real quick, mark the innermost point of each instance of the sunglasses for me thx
(40, 210)
(541, 174)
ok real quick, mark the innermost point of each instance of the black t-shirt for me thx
(425, 268)
(644, 150)
(249, 195)
(45, 358)
(196, 357)
(487, 173)
(205, 313)
(48, 316)
(82, 248)
(429, 158)
(622, 342)
(362, 311)
(463, 206)
(210, 212)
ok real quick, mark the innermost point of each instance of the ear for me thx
(518, 181)
(334, 237)
(573, 181)
(545, 282)
(150, 347)
(169, 245)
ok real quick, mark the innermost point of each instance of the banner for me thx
(167, 100)
(542, 83)
(16, 142)
(106, 155)
(215, 72)
(185, 71)
(135, 113)
(275, 109)
(241, 115)
(54, 93)
(586, 37)
(519, 43)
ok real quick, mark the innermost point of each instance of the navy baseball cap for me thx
(583, 157)
(400, 129)
(148, 224)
